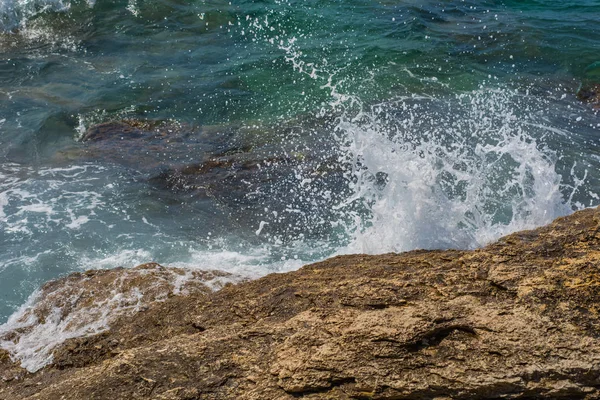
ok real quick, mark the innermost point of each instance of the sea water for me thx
(412, 125)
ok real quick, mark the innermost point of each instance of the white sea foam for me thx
(453, 173)
(123, 258)
(34, 201)
(252, 263)
(39, 338)
(23, 25)
(86, 305)
(16, 13)
(36, 339)
(3, 203)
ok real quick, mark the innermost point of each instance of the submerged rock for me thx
(590, 94)
(145, 145)
(158, 145)
(517, 319)
(299, 183)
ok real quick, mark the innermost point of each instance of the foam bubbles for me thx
(457, 172)
(16, 13)
(436, 170)
(86, 304)
(32, 202)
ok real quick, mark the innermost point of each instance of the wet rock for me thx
(241, 169)
(145, 145)
(590, 94)
(9, 368)
(116, 130)
(148, 145)
(517, 319)
(85, 304)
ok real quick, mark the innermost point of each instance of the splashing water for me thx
(15, 14)
(454, 171)
(86, 304)
(450, 173)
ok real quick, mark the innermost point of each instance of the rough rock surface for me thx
(516, 319)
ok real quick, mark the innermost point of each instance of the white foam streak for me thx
(38, 338)
(253, 263)
(34, 348)
(85, 305)
(33, 200)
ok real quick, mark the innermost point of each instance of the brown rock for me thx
(517, 319)
(590, 94)
(81, 307)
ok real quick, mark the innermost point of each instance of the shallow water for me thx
(409, 124)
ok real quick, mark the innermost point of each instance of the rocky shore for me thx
(516, 319)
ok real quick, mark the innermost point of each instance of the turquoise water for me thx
(378, 126)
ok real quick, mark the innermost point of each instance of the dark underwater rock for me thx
(518, 319)
(241, 169)
(590, 94)
(146, 145)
